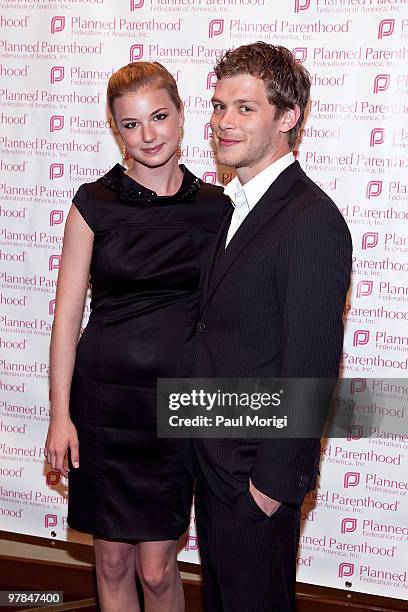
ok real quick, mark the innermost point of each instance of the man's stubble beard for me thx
(228, 159)
(247, 158)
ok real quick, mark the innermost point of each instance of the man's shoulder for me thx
(310, 213)
(309, 200)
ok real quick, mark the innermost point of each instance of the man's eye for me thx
(246, 109)
(218, 107)
(160, 116)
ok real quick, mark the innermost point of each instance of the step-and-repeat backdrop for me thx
(55, 59)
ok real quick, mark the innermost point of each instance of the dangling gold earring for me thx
(125, 154)
(180, 142)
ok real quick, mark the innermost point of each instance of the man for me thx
(272, 307)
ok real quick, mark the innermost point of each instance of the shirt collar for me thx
(259, 184)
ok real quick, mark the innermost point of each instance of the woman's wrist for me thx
(58, 415)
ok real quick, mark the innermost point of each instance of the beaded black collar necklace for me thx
(129, 190)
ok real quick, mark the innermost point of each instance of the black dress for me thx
(148, 255)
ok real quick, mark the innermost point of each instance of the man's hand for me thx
(268, 505)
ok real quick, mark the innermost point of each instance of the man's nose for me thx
(227, 119)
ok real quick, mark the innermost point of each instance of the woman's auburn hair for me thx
(134, 76)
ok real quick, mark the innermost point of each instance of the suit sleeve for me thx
(313, 274)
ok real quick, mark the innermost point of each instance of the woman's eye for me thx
(160, 117)
(130, 125)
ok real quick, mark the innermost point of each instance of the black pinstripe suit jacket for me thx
(272, 306)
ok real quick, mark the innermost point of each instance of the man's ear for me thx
(290, 118)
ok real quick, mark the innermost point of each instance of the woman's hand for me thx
(72, 285)
(62, 436)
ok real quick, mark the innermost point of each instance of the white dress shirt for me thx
(245, 197)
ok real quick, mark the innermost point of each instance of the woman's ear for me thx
(181, 117)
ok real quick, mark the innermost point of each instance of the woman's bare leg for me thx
(156, 564)
(115, 572)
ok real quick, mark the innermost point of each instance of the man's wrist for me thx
(252, 486)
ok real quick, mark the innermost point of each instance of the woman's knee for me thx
(157, 576)
(114, 562)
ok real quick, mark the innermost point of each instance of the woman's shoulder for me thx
(101, 187)
(207, 190)
(214, 199)
(94, 199)
(215, 191)
(210, 203)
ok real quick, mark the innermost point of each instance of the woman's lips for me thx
(153, 150)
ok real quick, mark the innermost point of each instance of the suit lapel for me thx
(268, 206)
(217, 248)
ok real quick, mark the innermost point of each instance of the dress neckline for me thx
(130, 190)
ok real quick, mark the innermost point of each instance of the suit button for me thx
(201, 326)
(303, 480)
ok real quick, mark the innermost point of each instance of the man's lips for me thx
(152, 150)
(227, 142)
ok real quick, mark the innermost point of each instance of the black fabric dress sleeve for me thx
(85, 206)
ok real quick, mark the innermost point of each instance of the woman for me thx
(142, 235)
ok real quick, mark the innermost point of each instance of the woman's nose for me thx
(148, 133)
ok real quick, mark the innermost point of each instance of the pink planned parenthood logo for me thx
(369, 240)
(300, 54)
(136, 4)
(207, 131)
(215, 27)
(346, 570)
(56, 171)
(364, 288)
(381, 82)
(57, 74)
(361, 337)
(211, 79)
(358, 385)
(210, 177)
(386, 27)
(351, 479)
(57, 24)
(354, 432)
(54, 262)
(56, 217)
(348, 525)
(377, 136)
(374, 189)
(136, 52)
(50, 520)
(53, 477)
(301, 5)
(191, 543)
(57, 123)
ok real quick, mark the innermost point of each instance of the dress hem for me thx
(132, 537)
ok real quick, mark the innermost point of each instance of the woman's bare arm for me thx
(73, 279)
